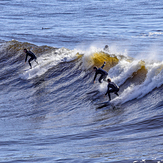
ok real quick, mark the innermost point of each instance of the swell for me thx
(70, 72)
(65, 91)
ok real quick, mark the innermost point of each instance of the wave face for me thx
(51, 114)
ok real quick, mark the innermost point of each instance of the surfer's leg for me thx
(29, 61)
(101, 77)
(36, 61)
(116, 93)
(109, 96)
(110, 91)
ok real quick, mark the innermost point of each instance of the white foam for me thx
(123, 70)
(154, 79)
(47, 61)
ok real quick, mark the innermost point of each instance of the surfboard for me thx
(103, 103)
(93, 92)
(28, 73)
(30, 69)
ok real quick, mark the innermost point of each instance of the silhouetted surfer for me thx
(112, 88)
(33, 57)
(100, 71)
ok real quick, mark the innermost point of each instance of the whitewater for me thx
(49, 113)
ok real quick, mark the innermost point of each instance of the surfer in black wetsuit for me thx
(112, 88)
(33, 57)
(100, 71)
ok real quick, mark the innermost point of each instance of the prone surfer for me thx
(100, 71)
(112, 88)
(32, 55)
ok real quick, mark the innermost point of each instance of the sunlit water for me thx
(49, 113)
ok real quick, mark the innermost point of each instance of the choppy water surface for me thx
(49, 113)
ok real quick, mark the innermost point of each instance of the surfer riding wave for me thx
(32, 55)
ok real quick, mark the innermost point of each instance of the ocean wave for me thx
(136, 78)
(46, 56)
(48, 60)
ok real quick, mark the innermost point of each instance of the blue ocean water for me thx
(50, 113)
(132, 25)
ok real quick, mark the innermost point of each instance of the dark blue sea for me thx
(51, 113)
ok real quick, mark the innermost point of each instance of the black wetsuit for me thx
(112, 87)
(33, 57)
(102, 72)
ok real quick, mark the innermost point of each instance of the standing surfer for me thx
(112, 88)
(100, 71)
(32, 55)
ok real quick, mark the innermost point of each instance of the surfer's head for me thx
(25, 50)
(109, 80)
(95, 68)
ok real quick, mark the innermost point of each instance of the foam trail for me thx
(47, 61)
(153, 80)
(123, 70)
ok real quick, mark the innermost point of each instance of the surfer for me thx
(32, 55)
(106, 48)
(112, 88)
(100, 71)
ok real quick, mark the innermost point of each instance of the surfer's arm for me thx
(107, 89)
(103, 65)
(26, 57)
(106, 92)
(95, 77)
